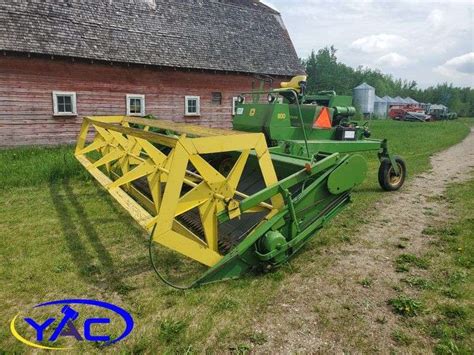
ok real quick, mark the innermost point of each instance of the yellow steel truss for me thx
(124, 150)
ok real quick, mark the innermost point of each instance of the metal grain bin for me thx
(411, 101)
(364, 98)
(399, 101)
(380, 107)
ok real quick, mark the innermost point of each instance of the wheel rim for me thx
(393, 178)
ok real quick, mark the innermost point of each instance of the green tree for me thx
(325, 72)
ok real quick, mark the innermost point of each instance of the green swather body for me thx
(317, 169)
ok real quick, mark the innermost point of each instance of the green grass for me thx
(417, 282)
(404, 261)
(415, 142)
(63, 236)
(452, 297)
(171, 330)
(447, 289)
(30, 166)
(401, 338)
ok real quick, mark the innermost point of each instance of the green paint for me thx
(317, 169)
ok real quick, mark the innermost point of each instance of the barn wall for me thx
(26, 105)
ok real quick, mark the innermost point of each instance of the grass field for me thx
(62, 236)
(447, 291)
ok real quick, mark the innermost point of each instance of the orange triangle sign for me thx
(323, 120)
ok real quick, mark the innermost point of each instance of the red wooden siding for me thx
(26, 104)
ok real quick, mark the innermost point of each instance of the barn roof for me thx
(224, 35)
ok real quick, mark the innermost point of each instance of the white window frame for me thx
(72, 94)
(235, 99)
(198, 105)
(142, 106)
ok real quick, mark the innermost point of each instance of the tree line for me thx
(325, 72)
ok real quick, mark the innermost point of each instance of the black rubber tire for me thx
(387, 179)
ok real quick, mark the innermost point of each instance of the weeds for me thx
(418, 282)
(406, 306)
(447, 347)
(225, 304)
(453, 312)
(240, 349)
(171, 330)
(404, 261)
(401, 246)
(401, 338)
(258, 338)
(366, 282)
(456, 277)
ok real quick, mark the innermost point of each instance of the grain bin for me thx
(364, 98)
(399, 101)
(380, 107)
(411, 101)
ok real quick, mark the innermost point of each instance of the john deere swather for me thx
(243, 199)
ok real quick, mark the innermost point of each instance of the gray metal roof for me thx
(363, 86)
(389, 99)
(228, 35)
(410, 100)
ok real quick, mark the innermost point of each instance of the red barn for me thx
(174, 59)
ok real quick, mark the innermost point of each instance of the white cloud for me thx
(463, 63)
(393, 60)
(436, 19)
(269, 4)
(427, 32)
(461, 67)
(378, 43)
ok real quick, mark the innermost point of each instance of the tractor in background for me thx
(441, 112)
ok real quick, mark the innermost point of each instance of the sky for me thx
(427, 41)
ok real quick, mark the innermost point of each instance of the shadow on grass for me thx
(74, 219)
(375, 189)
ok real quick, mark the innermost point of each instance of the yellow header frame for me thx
(129, 151)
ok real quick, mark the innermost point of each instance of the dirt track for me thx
(331, 312)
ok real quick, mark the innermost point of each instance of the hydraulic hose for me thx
(160, 276)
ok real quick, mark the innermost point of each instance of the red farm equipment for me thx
(408, 113)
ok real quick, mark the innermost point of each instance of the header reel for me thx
(220, 198)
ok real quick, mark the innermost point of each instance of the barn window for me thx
(192, 105)
(216, 98)
(64, 103)
(135, 105)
